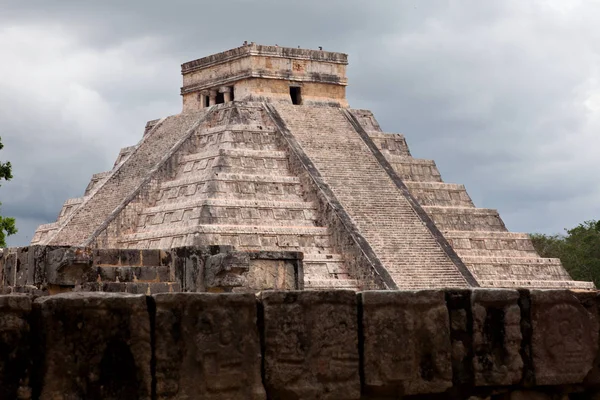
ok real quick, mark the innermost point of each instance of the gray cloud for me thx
(503, 95)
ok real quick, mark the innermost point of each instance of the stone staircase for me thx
(385, 218)
(495, 257)
(233, 186)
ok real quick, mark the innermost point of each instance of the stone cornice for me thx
(260, 50)
(224, 80)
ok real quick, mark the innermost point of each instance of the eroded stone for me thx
(496, 337)
(94, 346)
(565, 336)
(15, 355)
(207, 346)
(311, 345)
(407, 346)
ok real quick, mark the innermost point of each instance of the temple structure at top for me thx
(256, 73)
(267, 156)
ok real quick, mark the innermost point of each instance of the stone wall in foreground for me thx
(453, 344)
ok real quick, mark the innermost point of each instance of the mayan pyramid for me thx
(267, 155)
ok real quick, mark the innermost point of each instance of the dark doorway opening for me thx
(206, 101)
(232, 91)
(296, 95)
(220, 98)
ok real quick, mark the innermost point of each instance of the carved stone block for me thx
(458, 302)
(93, 346)
(311, 345)
(564, 339)
(496, 337)
(407, 346)
(68, 265)
(15, 355)
(207, 346)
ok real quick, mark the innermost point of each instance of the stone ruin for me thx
(252, 247)
(267, 156)
(475, 344)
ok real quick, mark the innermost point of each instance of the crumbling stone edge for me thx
(454, 344)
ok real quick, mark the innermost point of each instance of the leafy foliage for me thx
(7, 225)
(579, 250)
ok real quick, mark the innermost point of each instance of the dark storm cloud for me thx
(503, 95)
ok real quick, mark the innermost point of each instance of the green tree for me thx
(7, 225)
(578, 249)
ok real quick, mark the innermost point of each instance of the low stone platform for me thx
(43, 270)
(431, 344)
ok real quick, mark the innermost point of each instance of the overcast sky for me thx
(503, 95)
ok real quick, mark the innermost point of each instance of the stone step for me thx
(68, 207)
(465, 219)
(44, 232)
(240, 203)
(237, 137)
(235, 153)
(123, 154)
(239, 177)
(224, 164)
(414, 169)
(511, 260)
(440, 194)
(239, 186)
(491, 244)
(537, 284)
(328, 284)
(241, 236)
(132, 287)
(517, 268)
(240, 212)
(96, 181)
(390, 143)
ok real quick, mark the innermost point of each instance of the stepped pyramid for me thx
(267, 155)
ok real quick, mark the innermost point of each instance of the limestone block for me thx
(564, 339)
(311, 345)
(458, 302)
(188, 266)
(68, 265)
(226, 270)
(15, 352)
(496, 337)
(407, 346)
(94, 346)
(9, 266)
(207, 346)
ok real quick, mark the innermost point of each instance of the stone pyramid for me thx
(267, 155)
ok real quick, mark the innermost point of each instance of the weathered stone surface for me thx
(207, 346)
(496, 337)
(93, 346)
(407, 346)
(226, 271)
(188, 265)
(15, 354)
(272, 274)
(564, 340)
(311, 345)
(68, 266)
(458, 302)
